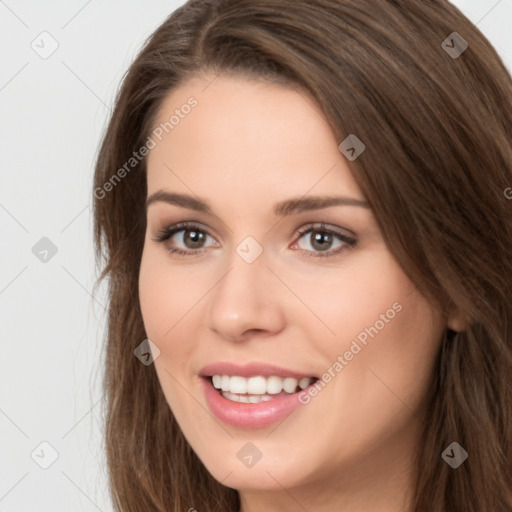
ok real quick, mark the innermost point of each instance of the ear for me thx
(457, 321)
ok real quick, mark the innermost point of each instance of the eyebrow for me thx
(283, 208)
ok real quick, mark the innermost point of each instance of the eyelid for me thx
(323, 226)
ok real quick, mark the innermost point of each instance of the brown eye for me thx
(189, 237)
(321, 240)
(193, 239)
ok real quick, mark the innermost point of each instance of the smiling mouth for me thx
(258, 388)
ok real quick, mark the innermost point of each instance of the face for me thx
(267, 283)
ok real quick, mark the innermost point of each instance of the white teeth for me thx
(231, 396)
(217, 381)
(224, 383)
(274, 385)
(246, 399)
(259, 386)
(304, 382)
(290, 384)
(238, 385)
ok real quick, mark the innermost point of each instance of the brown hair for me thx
(438, 158)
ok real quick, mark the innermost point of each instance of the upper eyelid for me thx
(326, 227)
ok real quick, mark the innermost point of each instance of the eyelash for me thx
(167, 233)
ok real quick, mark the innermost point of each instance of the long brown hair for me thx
(437, 130)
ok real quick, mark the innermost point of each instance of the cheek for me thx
(388, 360)
(349, 298)
(385, 331)
(165, 298)
(170, 299)
(166, 292)
(153, 302)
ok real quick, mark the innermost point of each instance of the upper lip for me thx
(252, 369)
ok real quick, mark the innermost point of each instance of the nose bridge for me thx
(244, 298)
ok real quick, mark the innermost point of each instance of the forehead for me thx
(254, 137)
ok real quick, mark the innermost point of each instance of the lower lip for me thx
(250, 416)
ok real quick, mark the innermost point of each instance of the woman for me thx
(301, 210)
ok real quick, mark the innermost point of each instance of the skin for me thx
(245, 146)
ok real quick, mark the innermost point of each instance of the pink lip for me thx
(250, 416)
(249, 370)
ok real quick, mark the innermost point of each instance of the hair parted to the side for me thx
(438, 158)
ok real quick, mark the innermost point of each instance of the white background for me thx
(52, 114)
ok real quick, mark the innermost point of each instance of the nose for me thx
(246, 303)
